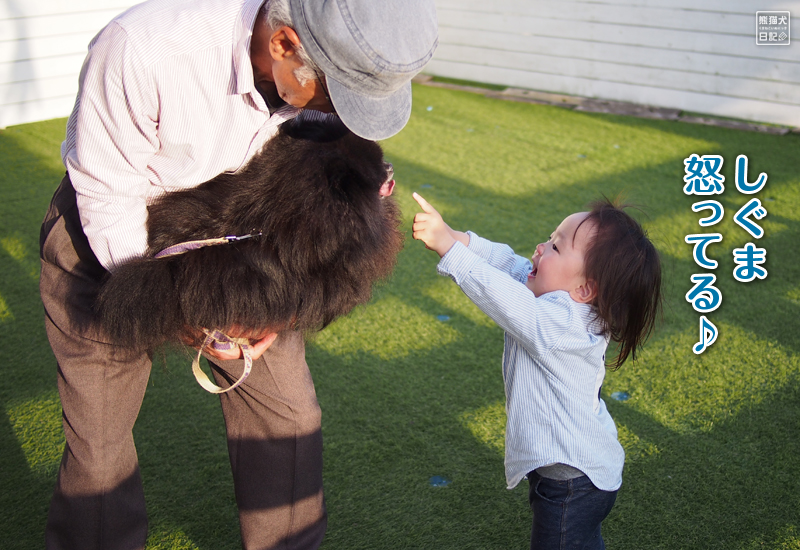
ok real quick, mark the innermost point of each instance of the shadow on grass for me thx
(28, 367)
(24, 496)
(732, 488)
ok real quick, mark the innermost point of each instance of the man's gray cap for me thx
(369, 50)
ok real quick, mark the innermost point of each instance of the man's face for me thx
(274, 61)
(558, 263)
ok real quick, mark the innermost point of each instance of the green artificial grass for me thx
(711, 440)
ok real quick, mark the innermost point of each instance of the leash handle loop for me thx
(221, 342)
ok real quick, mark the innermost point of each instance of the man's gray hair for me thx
(276, 14)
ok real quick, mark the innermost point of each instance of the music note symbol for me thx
(708, 335)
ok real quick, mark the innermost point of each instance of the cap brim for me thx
(371, 117)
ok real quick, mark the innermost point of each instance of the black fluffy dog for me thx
(318, 196)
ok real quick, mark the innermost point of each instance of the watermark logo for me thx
(773, 28)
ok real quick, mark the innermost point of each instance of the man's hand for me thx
(258, 345)
(430, 228)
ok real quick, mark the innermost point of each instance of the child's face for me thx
(558, 263)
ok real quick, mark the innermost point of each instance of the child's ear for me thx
(585, 293)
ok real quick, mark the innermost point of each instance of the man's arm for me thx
(110, 141)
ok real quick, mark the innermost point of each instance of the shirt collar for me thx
(241, 50)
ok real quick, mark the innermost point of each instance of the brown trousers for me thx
(272, 420)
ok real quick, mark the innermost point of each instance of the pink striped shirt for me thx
(166, 102)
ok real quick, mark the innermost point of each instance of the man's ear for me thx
(585, 293)
(282, 42)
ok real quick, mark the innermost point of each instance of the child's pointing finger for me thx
(426, 207)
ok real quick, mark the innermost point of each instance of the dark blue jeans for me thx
(567, 513)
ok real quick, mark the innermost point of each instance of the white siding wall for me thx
(694, 55)
(42, 46)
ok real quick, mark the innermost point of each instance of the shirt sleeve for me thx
(537, 323)
(500, 256)
(115, 137)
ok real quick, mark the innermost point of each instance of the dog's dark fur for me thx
(327, 237)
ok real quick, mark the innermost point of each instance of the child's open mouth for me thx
(532, 274)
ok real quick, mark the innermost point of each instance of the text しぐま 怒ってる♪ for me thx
(703, 179)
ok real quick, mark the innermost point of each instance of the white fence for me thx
(694, 55)
(42, 46)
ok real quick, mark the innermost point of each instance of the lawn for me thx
(410, 385)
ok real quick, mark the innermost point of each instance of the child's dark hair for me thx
(627, 271)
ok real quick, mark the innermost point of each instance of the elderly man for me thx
(172, 93)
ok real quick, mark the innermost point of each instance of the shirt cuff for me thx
(458, 262)
(479, 246)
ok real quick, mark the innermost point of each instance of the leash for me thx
(221, 342)
(181, 248)
(214, 338)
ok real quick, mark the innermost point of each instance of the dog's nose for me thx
(389, 170)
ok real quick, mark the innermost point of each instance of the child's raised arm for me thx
(430, 228)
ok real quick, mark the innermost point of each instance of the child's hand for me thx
(429, 227)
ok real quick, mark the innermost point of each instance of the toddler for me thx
(597, 278)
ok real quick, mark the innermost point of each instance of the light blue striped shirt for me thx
(553, 367)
